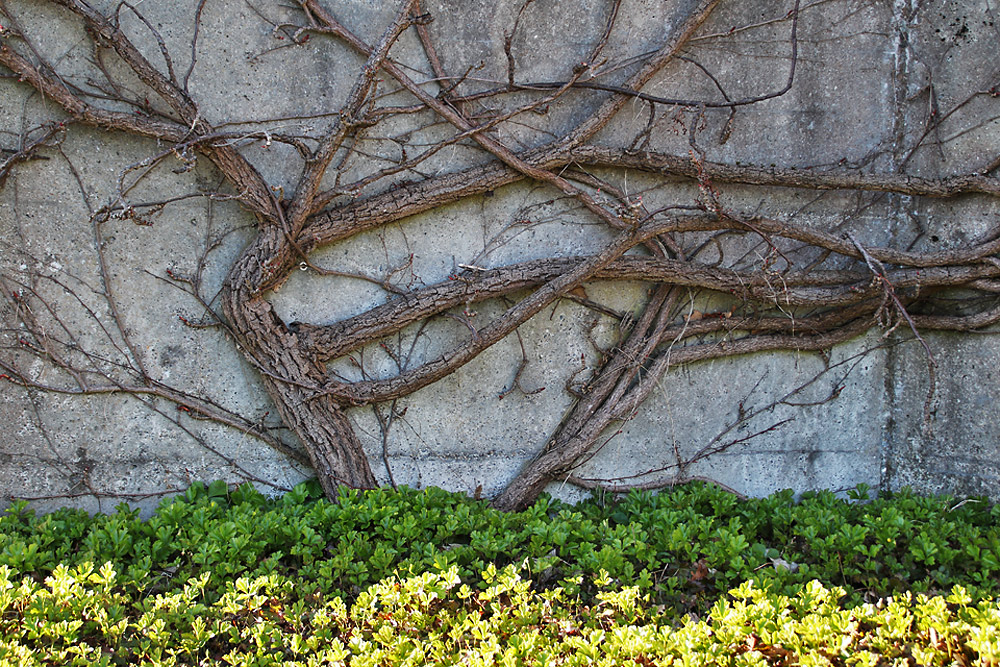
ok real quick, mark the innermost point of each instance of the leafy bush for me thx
(407, 577)
(679, 546)
(79, 617)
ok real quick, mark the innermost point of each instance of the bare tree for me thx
(727, 276)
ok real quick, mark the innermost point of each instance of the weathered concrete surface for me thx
(867, 78)
(951, 56)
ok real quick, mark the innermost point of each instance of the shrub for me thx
(220, 576)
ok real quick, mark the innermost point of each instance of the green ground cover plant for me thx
(693, 575)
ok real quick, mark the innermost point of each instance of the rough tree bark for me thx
(812, 290)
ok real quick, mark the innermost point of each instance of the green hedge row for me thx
(219, 570)
(676, 546)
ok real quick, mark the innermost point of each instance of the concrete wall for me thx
(868, 77)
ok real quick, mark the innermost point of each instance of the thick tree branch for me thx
(814, 289)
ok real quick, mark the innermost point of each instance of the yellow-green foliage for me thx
(81, 617)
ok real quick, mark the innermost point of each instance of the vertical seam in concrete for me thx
(901, 13)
